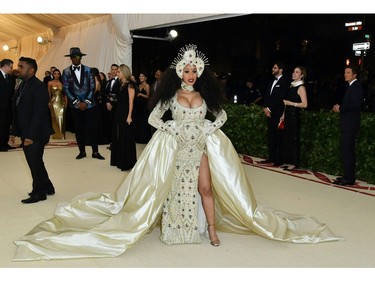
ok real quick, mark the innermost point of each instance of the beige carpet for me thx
(348, 212)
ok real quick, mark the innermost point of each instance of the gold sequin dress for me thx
(58, 112)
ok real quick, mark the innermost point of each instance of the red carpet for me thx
(318, 177)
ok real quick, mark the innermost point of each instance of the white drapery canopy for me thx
(106, 38)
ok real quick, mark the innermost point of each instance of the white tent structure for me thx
(105, 38)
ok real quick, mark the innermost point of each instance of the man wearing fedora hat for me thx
(79, 86)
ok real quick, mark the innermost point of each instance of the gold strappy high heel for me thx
(216, 242)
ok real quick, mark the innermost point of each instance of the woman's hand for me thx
(82, 105)
(109, 106)
(27, 142)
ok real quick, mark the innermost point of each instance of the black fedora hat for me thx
(75, 51)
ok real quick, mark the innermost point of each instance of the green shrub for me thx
(320, 139)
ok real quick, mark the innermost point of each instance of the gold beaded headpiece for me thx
(189, 55)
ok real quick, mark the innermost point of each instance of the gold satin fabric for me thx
(58, 112)
(101, 225)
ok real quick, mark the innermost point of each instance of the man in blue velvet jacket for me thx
(79, 86)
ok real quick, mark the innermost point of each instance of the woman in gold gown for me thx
(58, 103)
(188, 176)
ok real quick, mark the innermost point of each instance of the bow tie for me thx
(76, 68)
(276, 79)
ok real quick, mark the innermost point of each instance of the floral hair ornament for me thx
(189, 55)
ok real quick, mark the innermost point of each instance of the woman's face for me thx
(120, 75)
(189, 75)
(56, 75)
(142, 78)
(297, 74)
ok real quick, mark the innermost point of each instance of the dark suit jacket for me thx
(351, 106)
(46, 79)
(153, 89)
(6, 92)
(31, 116)
(83, 91)
(110, 95)
(274, 101)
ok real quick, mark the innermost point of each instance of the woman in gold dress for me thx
(188, 176)
(58, 103)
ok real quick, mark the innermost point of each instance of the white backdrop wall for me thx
(105, 39)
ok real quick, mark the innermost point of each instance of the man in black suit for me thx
(273, 109)
(6, 95)
(32, 123)
(48, 78)
(110, 92)
(154, 86)
(350, 118)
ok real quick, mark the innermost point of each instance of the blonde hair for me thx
(124, 69)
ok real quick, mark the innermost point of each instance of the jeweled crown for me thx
(189, 55)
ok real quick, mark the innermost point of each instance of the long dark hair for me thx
(211, 90)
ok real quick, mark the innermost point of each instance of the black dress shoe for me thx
(49, 192)
(81, 155)
(97, 156)
(344, 182)
(339, 178)
(34, 199)
(277, 164)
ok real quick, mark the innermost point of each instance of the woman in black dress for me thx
(294, 101)
(142, 128)
(123, 149)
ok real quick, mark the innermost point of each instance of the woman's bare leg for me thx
(205, 190)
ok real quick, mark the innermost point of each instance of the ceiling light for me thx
(172, 34)
(42, 41)
(169, 37)
(7, 48)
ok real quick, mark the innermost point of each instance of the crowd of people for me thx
(187, 186)
(189, 177)
(97, 108)
(114, 109)
(283, 101)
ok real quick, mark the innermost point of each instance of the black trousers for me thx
(85, 124)
(348, 140)
(34, 157)
(4, 127)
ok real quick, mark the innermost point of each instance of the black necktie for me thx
(76, 68)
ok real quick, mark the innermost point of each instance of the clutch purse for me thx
(281, 125)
